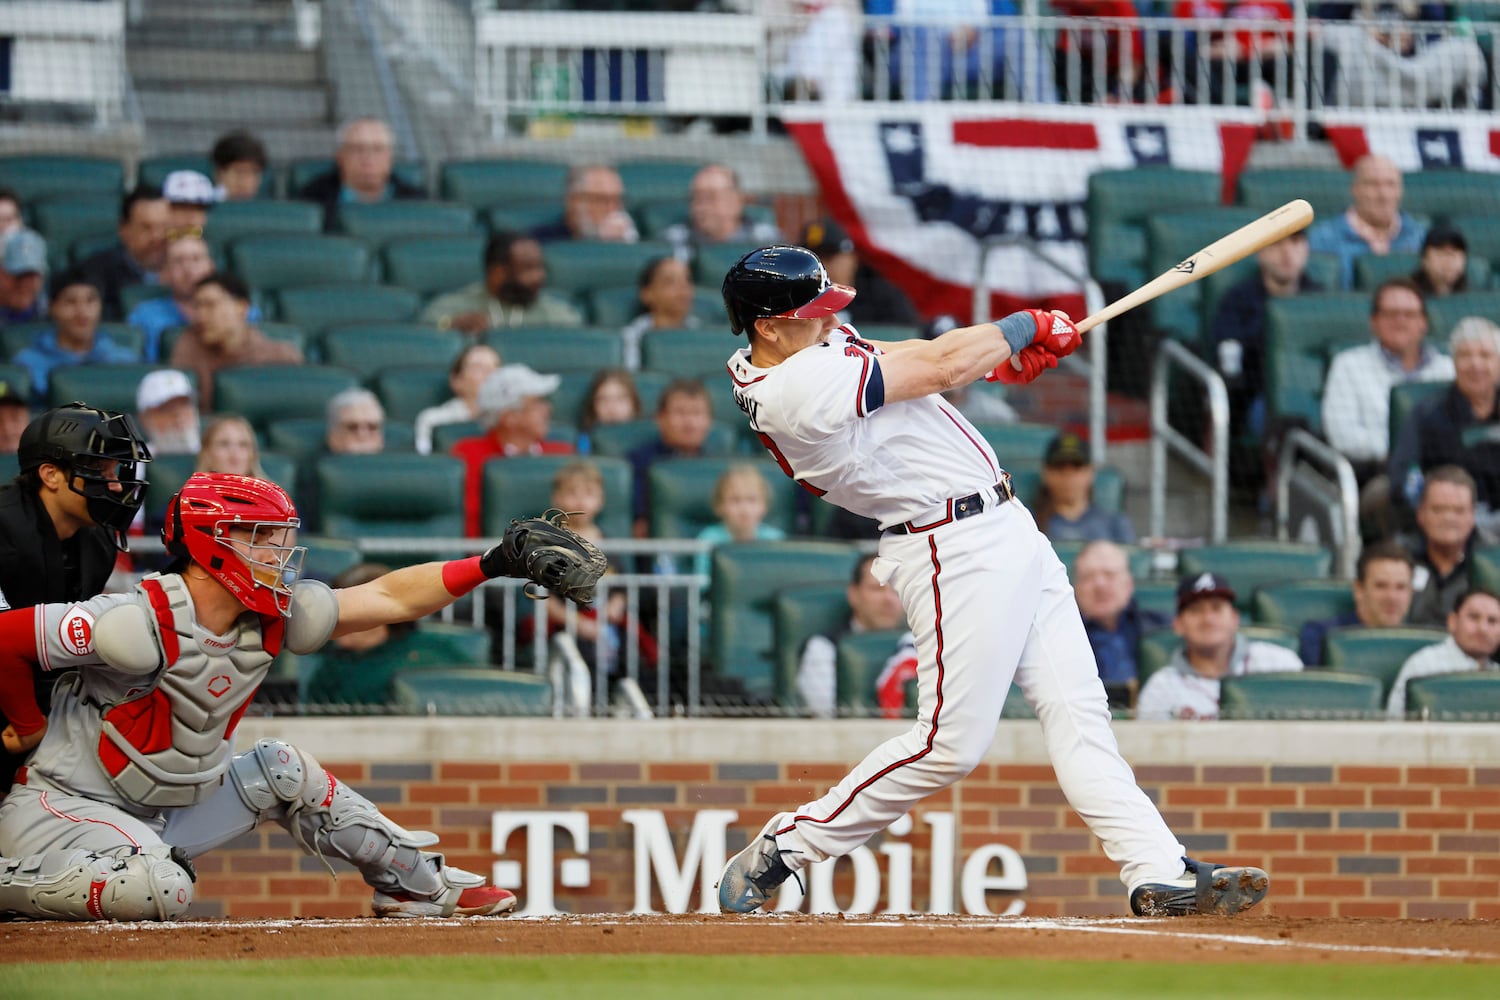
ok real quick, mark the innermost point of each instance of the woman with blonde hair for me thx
(229, 445)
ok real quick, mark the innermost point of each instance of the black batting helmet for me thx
(780, 281)
(84, 441)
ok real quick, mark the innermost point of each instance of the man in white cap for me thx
(516, 414)
(23, 276)
(166, 407)
(189, 195)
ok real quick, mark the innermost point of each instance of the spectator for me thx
(145, 218)
(465, 375)
(11, 219)
(15, 414)
(940, 49)
(878, 301)
(362, 174)
(23, 275)
(510, 295)
(189, 195)
(1374, 223)
(240, 162)
(1443, 544)
(1241, 59)
(1357, 391)
(354, 423)
(1382, 598)
(1473, 638)
(821, 61)
(1065, 509)
(1212, 648)
(716, 214)
(1460, 426)
(166, 407)
(229, 445)
(742, 498)
(221, 336)
(1113, 620)
(666, 300)
(1107, 25)
(593, 208)
(516, 414)
(187, 263)
(873, 607)
(612, 398)
(684, 417)
(74, 337)
(1444, 266)
(1383, 63)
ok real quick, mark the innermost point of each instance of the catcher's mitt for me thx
(547, 552)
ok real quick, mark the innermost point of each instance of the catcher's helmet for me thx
(240, 530)
(87, 442)
(780, 281)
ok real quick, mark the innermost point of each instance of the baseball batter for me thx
(134, 776)
(863, 426)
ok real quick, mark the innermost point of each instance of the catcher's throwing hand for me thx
(16, 743)
(547, 552)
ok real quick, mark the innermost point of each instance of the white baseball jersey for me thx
(822, 413)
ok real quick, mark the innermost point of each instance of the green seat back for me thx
(233, 220)
(861, 658)
(304, 170)
(1250, 564)
(1471, 697)
(1016, 706)
(746, 577)
(1294, 604)
(797, 614)
(713, 262)
(369, 348)
(657, 180)
(18, 336)
(1444, 312)
(390, 494)
(287, 333)
(62, 220)
(1120, 202)
(109, 387)
(1371, 269)
(444, 436)
(700, 353)
(133, 295)
(577, 265)
(431, 265)
(303, 438)
(407, 391)
(1212, 288)
(1304, 694)
(550, 349)
(270, 263)
(1136, 558)
(522, 487)
(153, 170)
(523, 218)
(263, 393)
(682, 489)
(1157, 595)
(1482, 232)
(1172, 237)
(34, 176)
(382, 222)
(1302, 336)
(1376, 652)
(20, 379)
(1451, 195)
(1484, 569)
(656, 217)
(318, 308)
(467, 643)
(1327, 191)
(328, 557)
(479, 691)
(1018, 442)
(1156, 648)
(164, 477)
(482, 183)
(1404, 399)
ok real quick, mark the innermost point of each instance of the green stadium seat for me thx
(405, 392)
(20, 378)
(109, 387)
(1119, 204)
(746, 578)
(522, 218)
(1170, 238)
(232, 220)
(700, 353)
(522, 486)
(619, 440)
(288, 333)
(305, 170)
(328, 557)
(370, 348)
(1250, 564)
(682, 489)
(153, 170)
(19, 336)
(1482, 232)
(797, 614)
(1404, 399)
(64, 219)
(271, 263)
(1293, 604)
(1018, 442)
(713, 262)
(391, 494)
(482, 183)
(1471, 697)
(263, 393)
(10, 467)
(1306, 694)
(619, 304)
(385, 221)
(434, 265)
(550, 349)
(34, 176)
(478, 691)
(85, 247)
(1485, 568)
(657, 180)
(1157, 595)
(1302, 336)
(575, 266)
(1212, 288)
(133, 295)
(1444, 312)
(1327, 191)
(1323, 270)
(861, 658)
(164, 477)
(303, 439)
(1452, 196)
(1138, 559)
(444, 436)
(1156, 648)
(1370, 270)
(318, 308)
(1377, 652)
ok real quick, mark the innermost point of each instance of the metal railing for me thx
(1301, 444)
(1172, 356)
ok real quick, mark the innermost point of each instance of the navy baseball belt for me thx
(959, 508)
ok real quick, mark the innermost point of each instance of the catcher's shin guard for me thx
(129, 883)
(325, 816)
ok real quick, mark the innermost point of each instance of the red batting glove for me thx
(1056, 332)
(1034, 360)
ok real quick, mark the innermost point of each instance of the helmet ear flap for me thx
(172, 535)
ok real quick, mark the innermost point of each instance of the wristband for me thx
(462, 575)
(1019, 330)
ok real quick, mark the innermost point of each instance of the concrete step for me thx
(284, 141)
(240, 103)
(149, 64)
(254, 11)
(199, 33)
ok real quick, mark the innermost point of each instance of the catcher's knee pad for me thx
(129, 883)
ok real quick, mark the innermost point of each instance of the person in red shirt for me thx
(1251, 53)
(1099, 24)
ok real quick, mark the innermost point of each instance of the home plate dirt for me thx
(1208, 939)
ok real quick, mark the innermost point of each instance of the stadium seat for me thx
(382, 222)
(797, 614)
(304, 439)
(522, 487)
(10, 467)
(575, 266)
(407, 391)
(1473, 697)
(551, 349)
(1137, 559)
(391, 494)
(1120, 202)
(369, 348)
(1452, 196)
(1294, 604)
(444, 436)
(1326, 190)
(1303, 694)
(232, 220)
(475, 691)
(109, 387)
(482, 183)
(1485, 569)
(522, 218)
(133, 295)
(263, 393)
(65, 219)
(288, 333)
(1212, 288)
(1157, 595)
(85, 247)
(434, 265)
(713, 262)
(682, 491)
(1018, 442)
(305, 170)
(657, 180)
(746, 577)
(1482, 232)
(20, 378)
(1404, 399)
(619, 440)
(656, 217)
(1371, 269)
(18, 336)
(619, 304)
(1445, 311)
(700, 353)
(1174, 236)
(1377, 652)
(33, 176)
(1302, 336)
(1016, 706)
(271, 263)
(318, 308)
(860, 659)
(164, 477)
(328, 557)
(1157, 647)
(1250, 564)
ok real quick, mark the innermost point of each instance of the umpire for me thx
(63, 520)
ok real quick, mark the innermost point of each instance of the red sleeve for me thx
(17, 660)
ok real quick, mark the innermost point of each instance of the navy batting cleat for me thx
(1204, 888)
(752, 875)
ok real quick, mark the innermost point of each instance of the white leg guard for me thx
(148, 883)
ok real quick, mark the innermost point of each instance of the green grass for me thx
(757, 977)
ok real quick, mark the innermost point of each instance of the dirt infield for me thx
(1269, 938)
